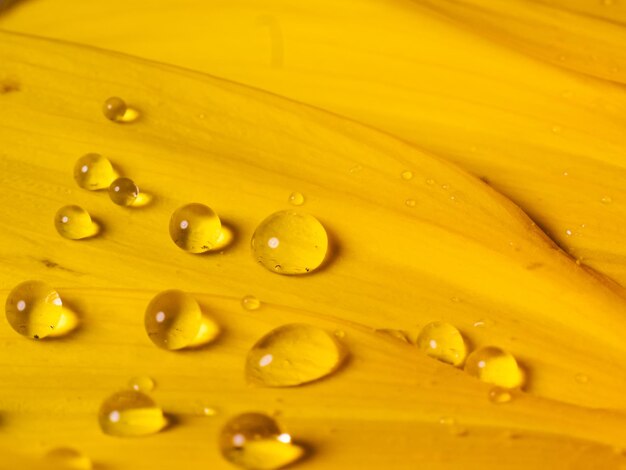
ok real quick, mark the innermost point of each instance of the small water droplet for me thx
(410, 202)
(123, 192)
(93, 171)
(582, 378)
(195, 228)
(173, 320)
(293, 354)
(296, 199)
(495, 366)
(340, 333)
(443, 342)
(455, 299)
(407, 175)
(430, 181)
(250, 302)
(141, 383)
(75, 223)
(67, 458)
(255, 441)
(34, 309)
(130, 413)
(290, 242)
(499, 395)
(445, 186)
(568, 232)
(606, 200)
(114, 109)
(566, 173)
(208, 411)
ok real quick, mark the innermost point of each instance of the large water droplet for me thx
(255, 441)
(290, 242)
(34, 309)
(444, 342)
(66, 458)
(195, 228)
(293, 354)
(93, 171)
(130, 413)
(496, 366)
(174, 320)
(75, 223)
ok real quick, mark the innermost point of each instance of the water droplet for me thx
(208, 411)
(292, 355)
(93, 171)
(499, 395)
(568, 232)
(195, 228)
(123, 192)
(445, 186)
(255, 441)
(114, 109)
(430, 181)
(407, 175)
(66, 458)
(250, 302)
(496, 366)
(130, 413)
(340, 333)
(566, 173)
(582, 378)
(173, 320)
(290, 242)
(606, 200)
(142, 383)
(74, 223)
(296, 199)
(410, 202)
(442, 341)
(34, 309)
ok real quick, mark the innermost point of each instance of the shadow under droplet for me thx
(227, 239)
(208, 333)
(69, 322)
(144, 199)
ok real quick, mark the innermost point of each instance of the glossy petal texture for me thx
(396, 266)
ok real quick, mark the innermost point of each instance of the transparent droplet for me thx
(142, 383)
(499, 395)
(67, 458)
(407, 175)
(496, 366)
(250, 302)
(173, 320)
(293, 354)
(606, 200)
(75, 223)
(208, 410)
(430, 181)
(410, 202)
(123, 192)
(296, 199)
(130, 413)
(444, 342)
(255, 441)
(290, 242)
(34, 309)
(114, 109)
(195, 228)
(339, 333)
(94, 171)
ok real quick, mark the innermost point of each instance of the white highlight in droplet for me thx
(482, 364)
(273, 242)
(239, 440)
(114, 416)
(160, 316)
(84, 169)
(284, 437)
(265, 360)
(116, 189)
(65, 219)
(184, 224)
(21, 305)
(57, 301)
(433, 344)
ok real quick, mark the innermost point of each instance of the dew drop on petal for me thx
(296, 199)
(292, 355)
(74, 223)
(93, 171)
(142, 383)
(123, 192)
(130, 413)
(443, 342)
(67, 458)
(250, 302)
(495, 366)
(195, 228)
(34, 309)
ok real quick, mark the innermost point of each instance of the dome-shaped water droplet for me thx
(499, 395)
(496, 366)
(74, 223)
(290, 242)
(293, 354)
(250, 302)
(173, 320)
(195, 228)
(296, 199)
(142, 383)
(123, 192)
(130, 413)
(34, 309)
(255, 441)
(93, 171)
(114, 108)
(444, 342)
